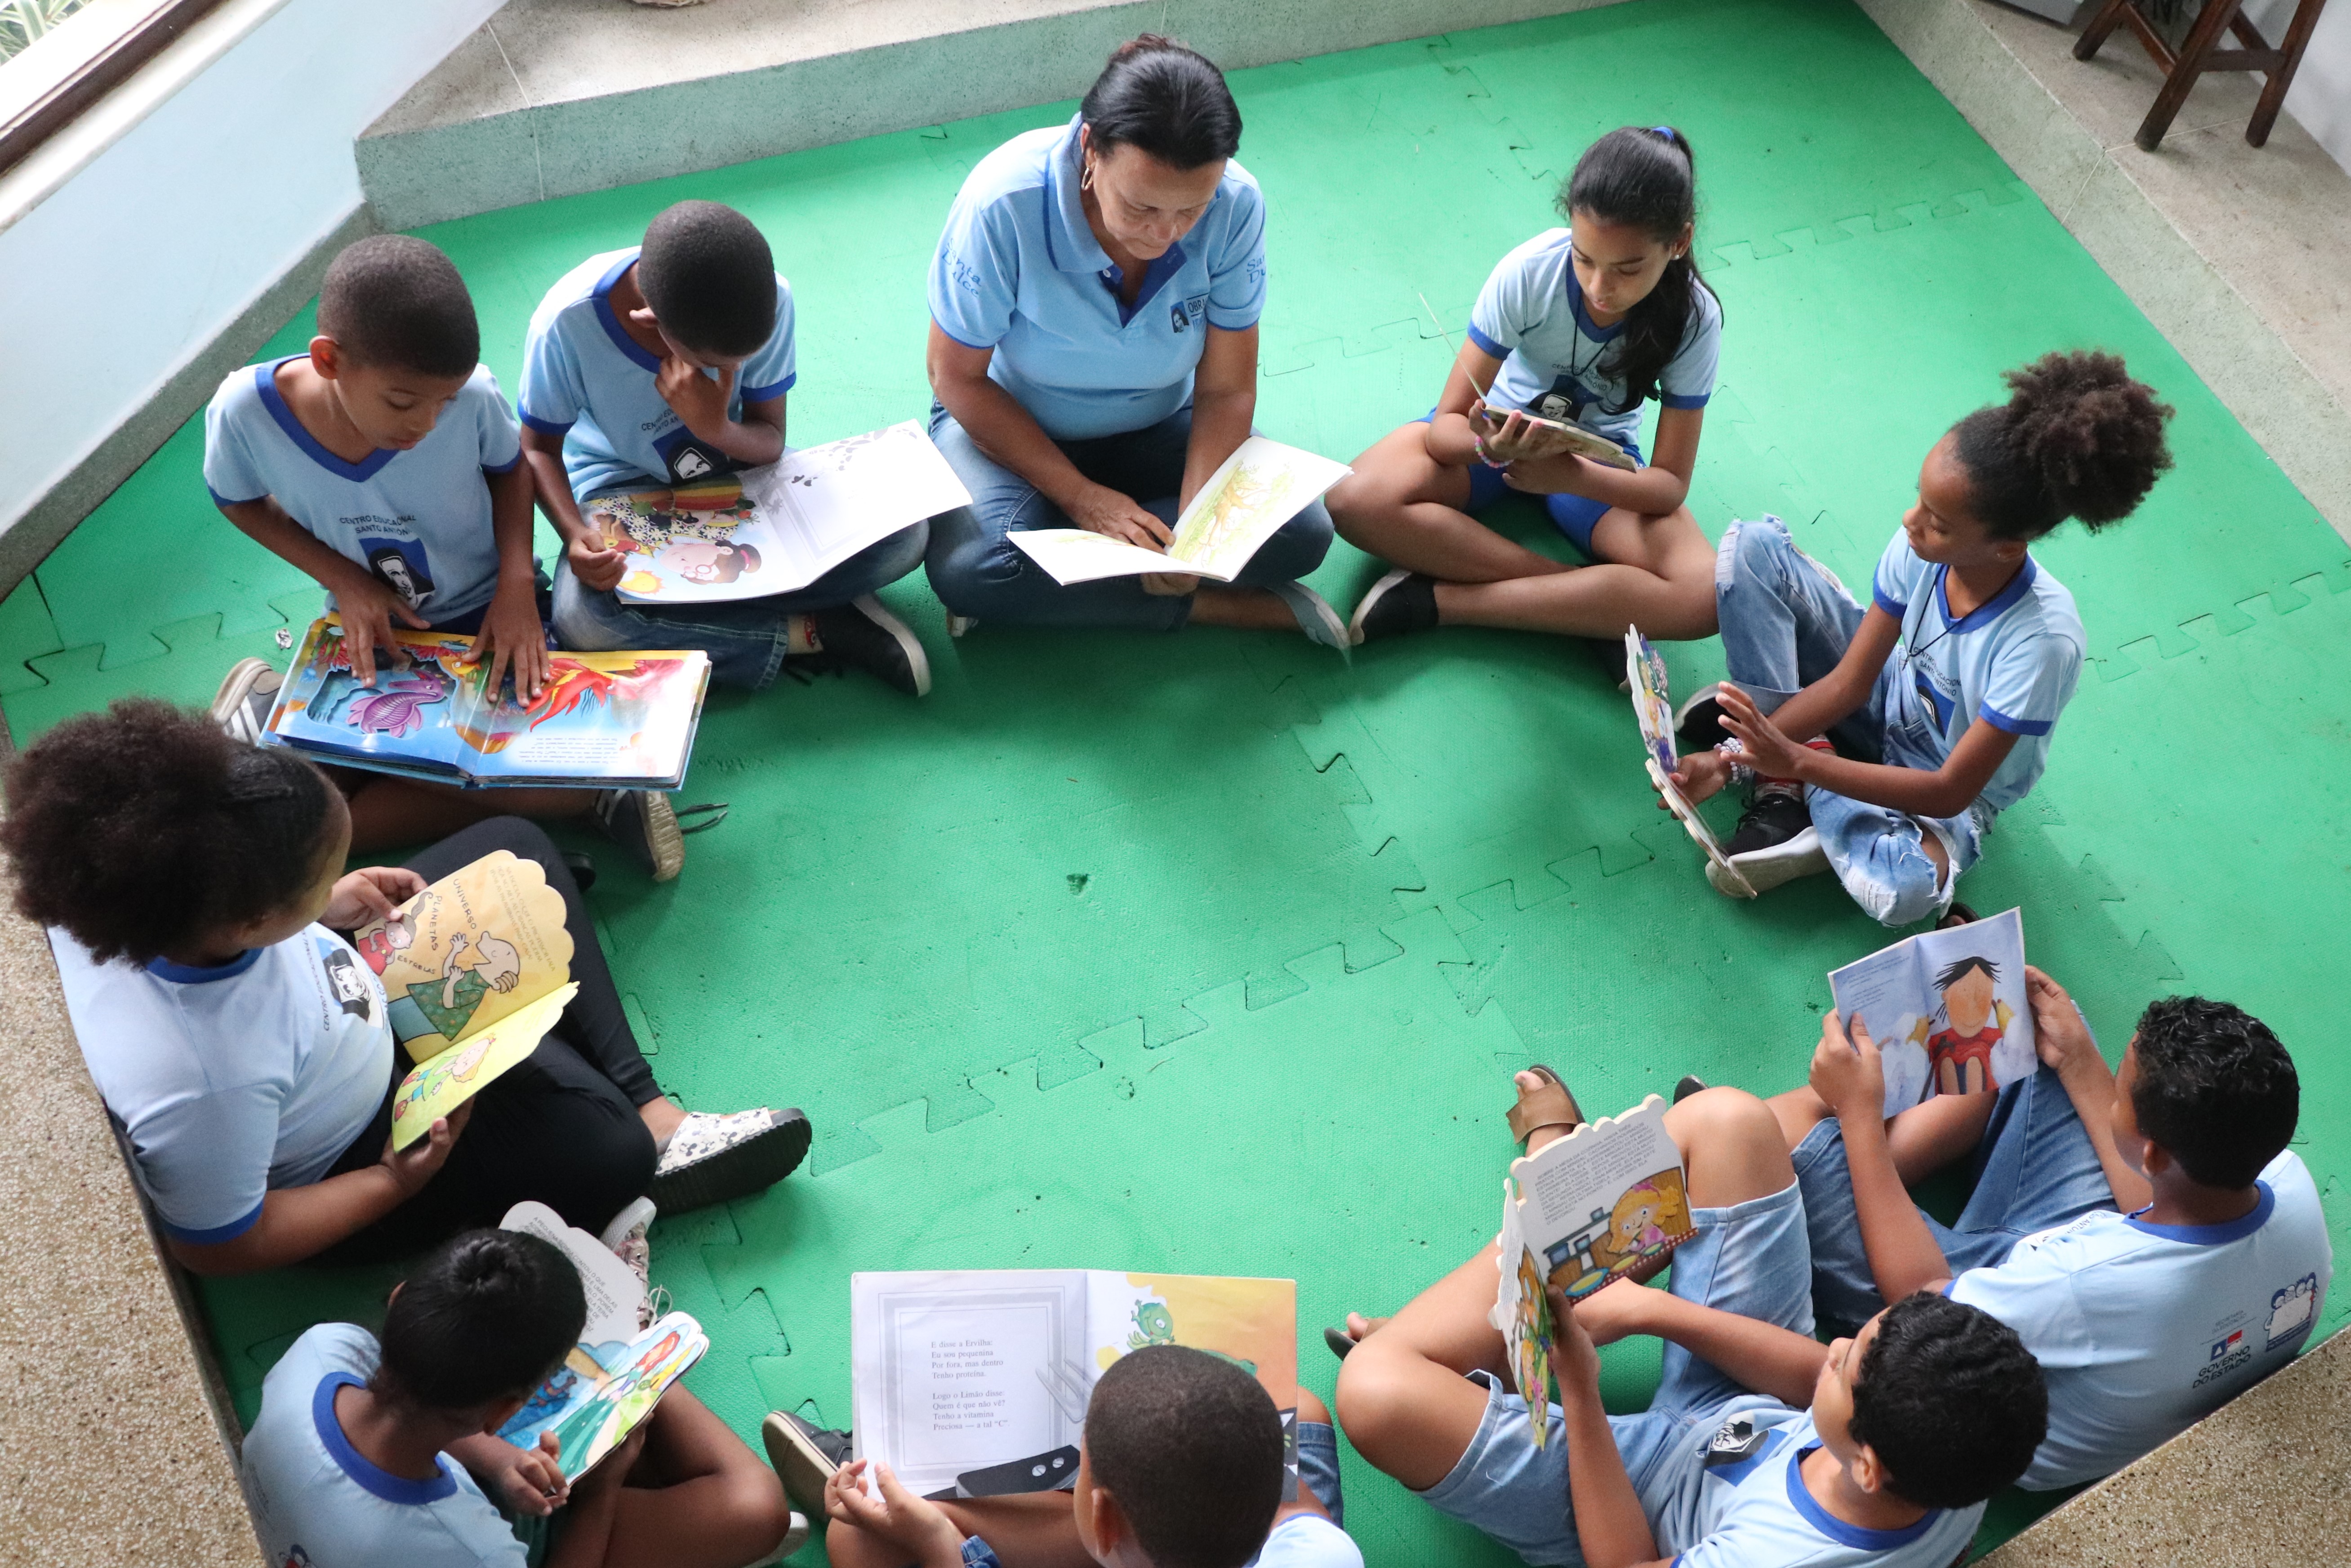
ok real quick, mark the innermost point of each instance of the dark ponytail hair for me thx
(1164, 99)
(139, 828)
(2078, 438)
(1646, 178)
(487, 1316)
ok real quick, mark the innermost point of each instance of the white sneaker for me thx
(796, 1535)
(1766, 869)
(711, 1158)
(241, 708)
(959, 625)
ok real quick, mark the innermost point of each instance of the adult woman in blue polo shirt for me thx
(1093, 353)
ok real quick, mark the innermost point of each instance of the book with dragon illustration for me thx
(974, 1382)
(475, 969)
(1591, 1208)
(1260, 487)
(1947, 1009)
(1644, 676)
(623, 720)
(627, 1357)
(778, 527)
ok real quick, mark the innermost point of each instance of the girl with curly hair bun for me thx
(196, 898)
(1881, 742)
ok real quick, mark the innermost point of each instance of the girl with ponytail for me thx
(1580, 325)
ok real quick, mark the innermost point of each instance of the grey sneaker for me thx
(241, 708)
(1315, 617)
(805, 1456)
(711, 1159)
(862, 634)
(643, 822)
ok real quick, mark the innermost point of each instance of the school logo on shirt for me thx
(400, 565)
(689, 459)
(1184, 312)
(2291, 1311)
(2221, 1347)
(354, 987)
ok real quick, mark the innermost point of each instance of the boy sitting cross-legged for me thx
(664, 364)
(1762, 1446)
(2145, 1230)
(1180, 1466)
(384, 462)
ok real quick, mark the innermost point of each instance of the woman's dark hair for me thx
(143, 826)
(2216, 1088)
(486, 1317)
(1162, 99)
(1644, 178)
(2076, 438)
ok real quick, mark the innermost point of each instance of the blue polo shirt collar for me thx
(1991, 609)
(1069, 239)
(264, 381)
(358, 1465)
(1584, 321)
(195, 975)
(609, 319)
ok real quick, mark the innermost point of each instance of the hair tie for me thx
(1667, 131)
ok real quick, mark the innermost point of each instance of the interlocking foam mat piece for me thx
(1211, 953)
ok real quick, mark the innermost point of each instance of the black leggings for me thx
(560, 1127)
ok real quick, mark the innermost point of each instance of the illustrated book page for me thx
(1947, 1009)
(1260, 486)
(1644, 673)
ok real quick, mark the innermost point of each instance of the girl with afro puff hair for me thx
(1880, 741)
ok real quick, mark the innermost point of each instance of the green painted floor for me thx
(1212, 954)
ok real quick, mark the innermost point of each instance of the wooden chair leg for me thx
(2211, 23)
(2110, 14)
(2281, 77)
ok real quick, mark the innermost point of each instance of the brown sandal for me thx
(1550, 1106)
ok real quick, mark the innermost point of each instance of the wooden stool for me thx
(2196, 56)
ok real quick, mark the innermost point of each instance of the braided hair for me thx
(2078, 438)
(142, 827)
(487, 1316)
(1643, 178)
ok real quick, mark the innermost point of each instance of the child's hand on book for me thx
(1847, 1073)
(368, 894)
(513, 637)
(367, 609)
(2060, 1034)
(914, 1526)
(530, 1480)
(1574, 1359)
(1698, 775)
(1615, 1311)
(596, 566)
(419, 1163)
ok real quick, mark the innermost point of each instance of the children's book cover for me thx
(1260, 487)
(1644, 673)
(484, 941)
(778, 527)
(1947, 1009)
(625, 719)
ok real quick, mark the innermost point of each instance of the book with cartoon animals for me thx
(476, 968)
(778, 527)
(624, 720)
(1947, 1009)
(1588, 1208)
(622, 1364)
(1644, 677)
(974, 1383)
(1260, 487)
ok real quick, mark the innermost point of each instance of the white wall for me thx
(138, 260)
(2321, 95)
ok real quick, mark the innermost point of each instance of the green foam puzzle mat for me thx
(1212, 953)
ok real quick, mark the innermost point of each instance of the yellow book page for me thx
(473, 948)
(1251, 1322)
(439, 1085)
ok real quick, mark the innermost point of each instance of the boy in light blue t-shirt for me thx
(1939, 696)
(666, 364)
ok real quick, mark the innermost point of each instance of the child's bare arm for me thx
(299, 1222)
(367, 607)
(1609, 1522)
(1946, 791)
(1762, 1356)
(1849, 1076)
(511, 634)
(1780, 748)
(2061, 1037)
(596, 564)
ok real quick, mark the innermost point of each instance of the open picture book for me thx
(974, 1383)
(1947, 1009)
(778, 527)
(619, 1369)
(1568, 437)
(1644, 674)
(623, 720)
(1587, 1210)
(1260, 487)
(476, 968)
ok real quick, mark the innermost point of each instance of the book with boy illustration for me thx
(778, 527)
(1947, 1009)
(476, 968)
(974, 1383)
(621, 1366)
(1644, 673)
(1260, 487)
(624, 720)
(1587, 1210)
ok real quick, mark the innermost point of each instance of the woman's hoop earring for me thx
(1086, 176)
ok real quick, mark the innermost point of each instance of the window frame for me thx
(116, 63)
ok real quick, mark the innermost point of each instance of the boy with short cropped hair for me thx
(668, 364)
(1180, 1466)
(384, 462)
(2145, 1230)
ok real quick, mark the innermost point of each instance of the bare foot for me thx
(662, 1116)
(1358, 1326)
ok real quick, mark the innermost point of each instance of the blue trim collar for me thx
(1991, 609)
(1801, 1497)
(358, 1465)
(611, 321)
(2214, 1235)
(191, 975)
(264, 380)
(1584, 321)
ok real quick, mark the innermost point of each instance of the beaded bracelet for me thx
(1741, 776)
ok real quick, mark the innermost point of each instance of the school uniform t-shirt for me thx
(1758, 1512)
(1559, 363)
(1308, 1540)
(418, 521)
(1018, 271)
(318, 1502)
(2142, 1329)
(586, 381)
(2012, 662)
(233, 1081)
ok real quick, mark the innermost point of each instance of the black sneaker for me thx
(861, 635)
(1957, 914)
(1691, 1083)
(642, 822)
(1775, 817)
(1698, 723)
(1774, 843)
(1398, 603)
(805, 1456)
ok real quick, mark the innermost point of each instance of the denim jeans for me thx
(1786, 622)
(744, 637)
(976, 569)
(2035, 1169)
